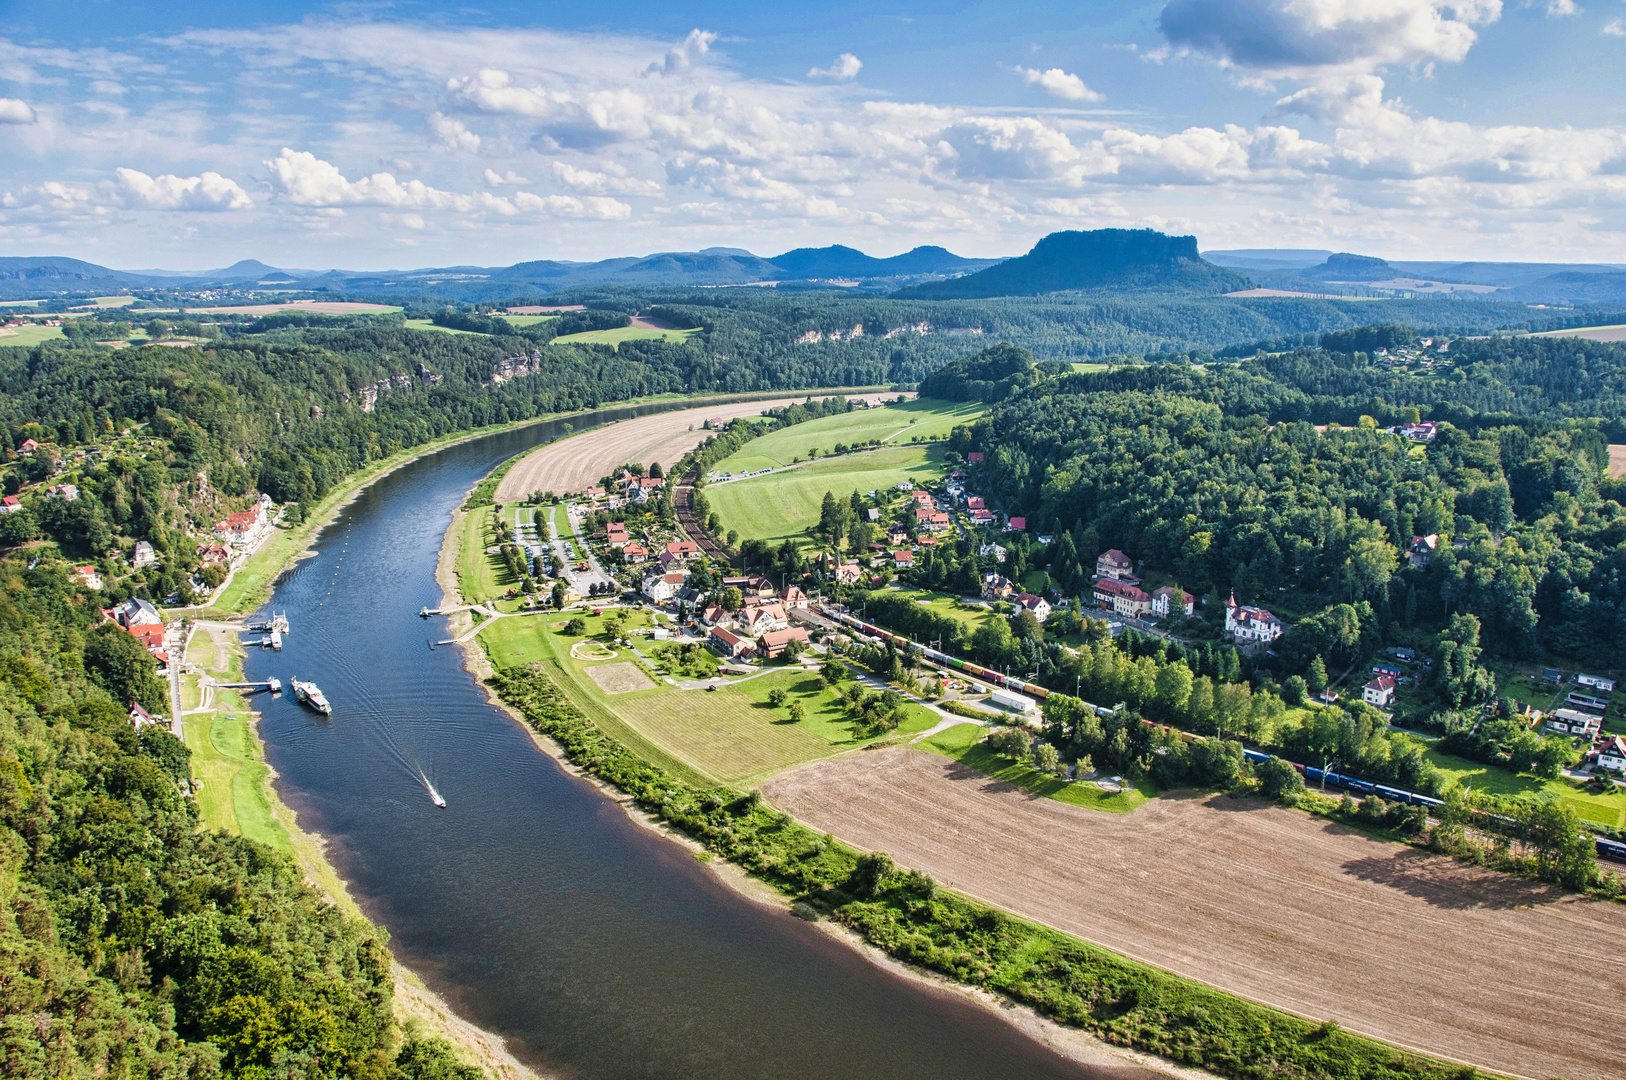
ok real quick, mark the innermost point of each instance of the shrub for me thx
(1046, 759)
(576, 627)
(776, 697)
(1278, 779)
(1009, 742)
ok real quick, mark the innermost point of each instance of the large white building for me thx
(1251, 624)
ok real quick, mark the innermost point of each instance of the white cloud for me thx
(1557, 9)
(1059, 83)
(614, 179)
(451, 133)
(1308, 35)
(208, 191)
(1615, 27)
(844, 67)
(16, 111)
(501, 179)
(684, 54)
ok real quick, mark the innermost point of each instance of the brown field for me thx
(538, 309)
(577, 462)
(1617, 460)
(1268, 903)
(622, 678)
(1591, 333)
(315, 307)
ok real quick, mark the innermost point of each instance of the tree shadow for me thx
(1444, 883)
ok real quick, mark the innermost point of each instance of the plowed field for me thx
(576, 463)
(1265, 902)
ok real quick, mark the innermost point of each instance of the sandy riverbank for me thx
(1068, 1042)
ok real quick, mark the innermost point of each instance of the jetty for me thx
(272, 685)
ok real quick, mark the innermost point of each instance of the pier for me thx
(273, 685)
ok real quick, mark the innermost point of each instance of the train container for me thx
(1610, 849)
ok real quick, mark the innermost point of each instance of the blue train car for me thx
(1610, 849)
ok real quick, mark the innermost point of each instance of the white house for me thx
(1575, 722)
(662, 587)
(145, 556)
(1036, 604)
(1612, 754)
(1247, 624)
(137, 612)
(1116, 565)
(1122, 597)
(1602, 682)
(1163, 601)
(1380, 692)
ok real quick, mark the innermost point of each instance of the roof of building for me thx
(1381, 683)
(1114, 557)
(727, 637)
(774, 639)
(1120, 588)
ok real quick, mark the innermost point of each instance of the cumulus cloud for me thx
(499, 179)
(1305, 35)
(1059, 83)
(451, 133)
(16, 111)
(305, 180)
(207, 191)
(1615, 27)
(844, 67)
(682, 56)
(614, 178)
(1557, 9)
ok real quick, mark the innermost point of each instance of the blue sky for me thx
(373, 135)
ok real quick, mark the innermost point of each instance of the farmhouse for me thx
(1171, 597)
(1117, 566)
(1249, 624)
(1122, 598)
(1380, 691)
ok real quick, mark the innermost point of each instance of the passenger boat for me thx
(310, 695)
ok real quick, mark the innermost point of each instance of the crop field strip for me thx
(1261, 901)
(576, 463)
(782, 505)
(897, 423)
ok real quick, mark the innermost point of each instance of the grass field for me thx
(425, 324)
(480, 576)
(526, 320)
(236, 794)
(626, 333)
(1603, 809)
(899, 423)
(962, 743)
(27, 337)
(948, 604)
(781, 506)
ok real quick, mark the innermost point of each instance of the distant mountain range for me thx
(1102, 259)
(1536, 283)
(36, 277)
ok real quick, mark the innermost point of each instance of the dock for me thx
(272, 685)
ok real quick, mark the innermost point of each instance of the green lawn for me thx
(898, 423)
(948, 604)
(527, 320)
(1603, 809)
(26, 337)
(236, 794)
(480, 576)
(963, 743)
(626, 333)
(781, 506)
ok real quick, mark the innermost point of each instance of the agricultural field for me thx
(782, 505)
(963, 743)
(425, 324)
(1603, 809)
(1615, 332)
(626, 333)
(897, 423)
(526, 320)
(1258, 900)
(27, 337)
(1617, 460)
(729, 736)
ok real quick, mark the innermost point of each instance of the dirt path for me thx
(576, 463)
(1268, 903)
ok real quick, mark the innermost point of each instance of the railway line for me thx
(683, 506)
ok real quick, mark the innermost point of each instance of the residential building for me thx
(1380, 692)
(933, 520)
(214, 554)
(975, 457)
(145, 556)
(88, 577)
(714, 615)
(923, 500)
(1612, 754)
(244, 528)
(1251, 624)
(689, 599)
(10, 504)
(764, 617)
(28, 447)
(795, 598)
(1601, 682)
(996, 587)
(1422, 549)
(976, 502)
(1117, 566)
(684, 549)
(728, 643)
(1036, 604)
(1122, 598)
(1163, 602)
(903, 558)
(150, 635)
(1017, 524)
(615, 534)
(872, 515)
(140, 718)
(848, 573)
(996, 550)
(65, 492)
(982, 517)
(634, 552)
(773, 643)
(663, 587)
(137, 612)
(1575, 722)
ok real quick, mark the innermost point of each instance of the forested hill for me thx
(1218, 477)
(1102, 259)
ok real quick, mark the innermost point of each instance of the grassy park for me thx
(26, 337)
(898, 424)
(1609, 809)
(782, 505)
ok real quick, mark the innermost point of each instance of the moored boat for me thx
(310, 695)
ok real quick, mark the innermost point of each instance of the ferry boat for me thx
(310, 695)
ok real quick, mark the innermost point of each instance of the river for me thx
(532, 903)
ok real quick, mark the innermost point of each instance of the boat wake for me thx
(434, 795)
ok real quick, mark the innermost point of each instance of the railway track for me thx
(683, 506)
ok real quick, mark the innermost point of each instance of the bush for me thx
(777, 697)
(1278, 779)
(576, 627)
(1009, 742)
(1046, 759)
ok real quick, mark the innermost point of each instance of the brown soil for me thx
(1617, 460)
(622, 678)
(1268, 903)
(577, 463)
(643, 322)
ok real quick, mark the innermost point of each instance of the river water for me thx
(532, 903)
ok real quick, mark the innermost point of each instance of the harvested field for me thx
(622, 678)
(576, 463)
(1265, 902)
(1616, 332)
(1617, 460)
(315, 307)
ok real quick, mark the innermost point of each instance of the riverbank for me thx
(1069, 1042)
(238, 795)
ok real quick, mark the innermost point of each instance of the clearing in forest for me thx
(897, 424)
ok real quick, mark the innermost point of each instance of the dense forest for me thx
(1220, 478)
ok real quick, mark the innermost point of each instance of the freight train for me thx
(1607, 848)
